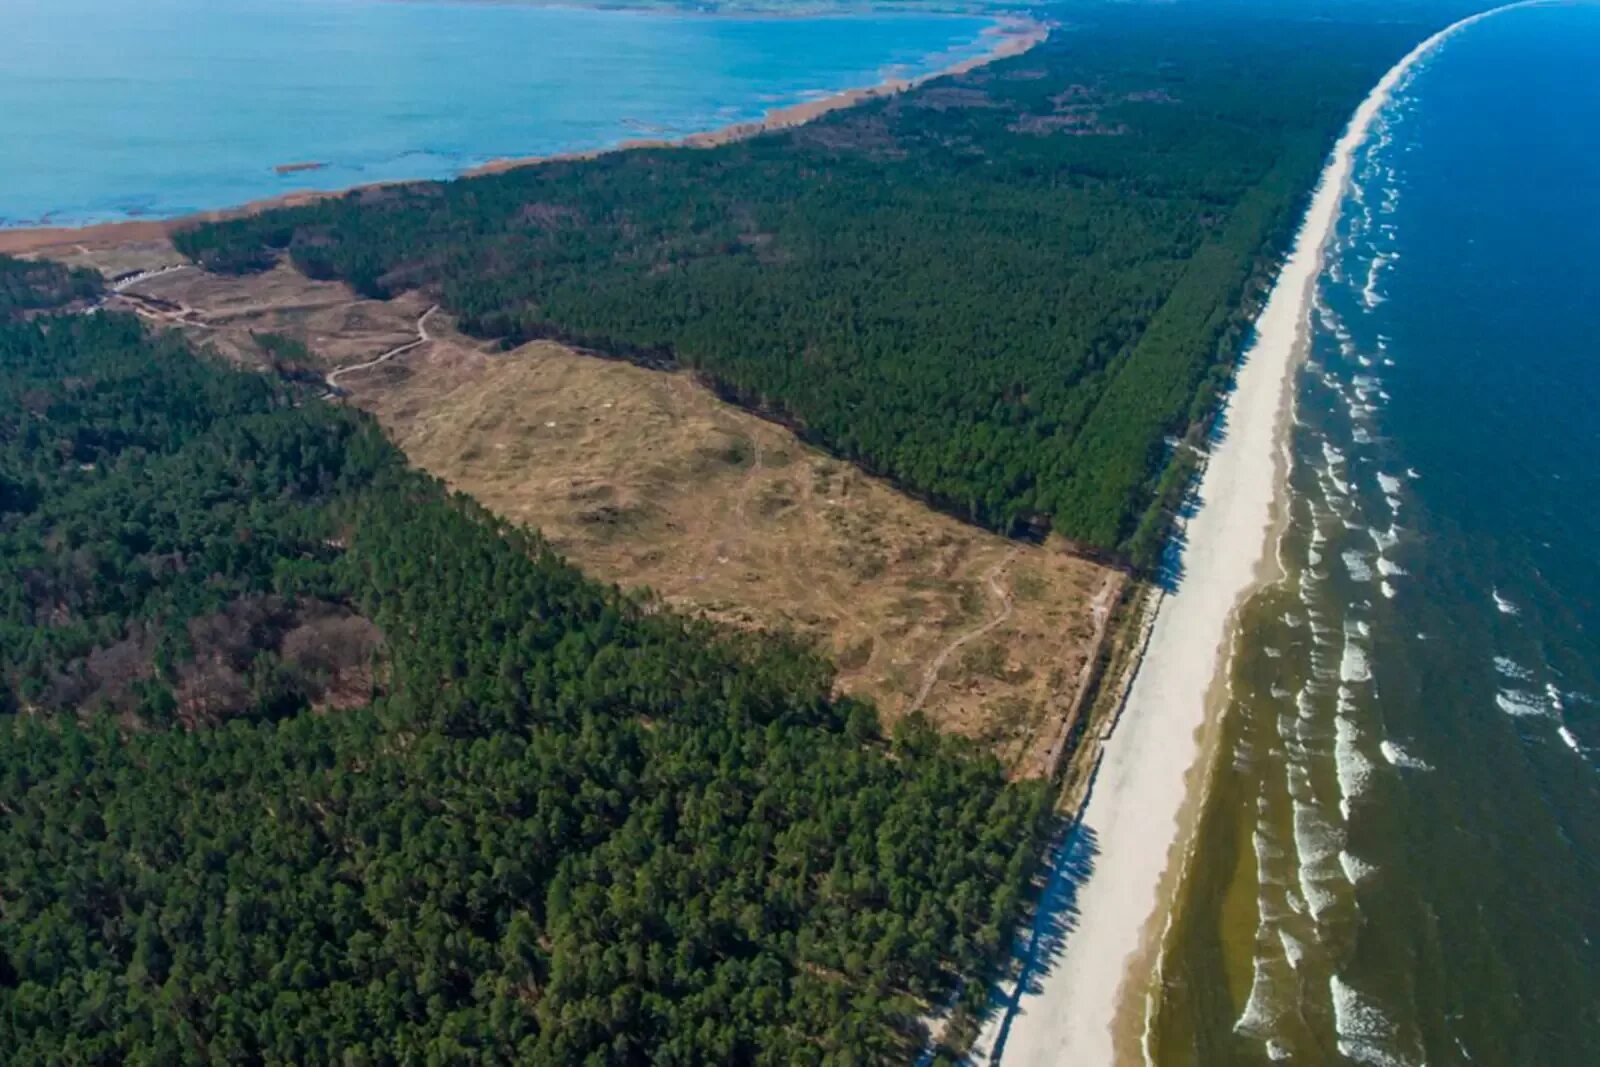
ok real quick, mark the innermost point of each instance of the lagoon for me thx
(112, 110)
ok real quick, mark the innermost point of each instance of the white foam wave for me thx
(1365, 1034)
(1356, 869)
(1353, 666)
(1353, 766)
(1399, 757)
(1506, 607)
(1512, 669)
(1356, 563)
(1521, 703)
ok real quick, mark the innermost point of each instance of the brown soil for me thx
(644, 478)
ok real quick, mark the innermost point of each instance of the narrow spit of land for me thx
(1088, 1005)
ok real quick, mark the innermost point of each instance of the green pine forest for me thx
(1006, 291)
(305, 761)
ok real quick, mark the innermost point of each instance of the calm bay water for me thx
(1400, 859)
(112, 109)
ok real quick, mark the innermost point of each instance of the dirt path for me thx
(423, 337)
(930, 677)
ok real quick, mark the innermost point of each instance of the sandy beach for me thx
(1009, 37)
(1085, 995)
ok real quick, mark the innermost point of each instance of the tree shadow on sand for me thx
(1041, 944)
(1169, 573)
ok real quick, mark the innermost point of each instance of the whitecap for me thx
(1389, 483)
(1365, 1034)
(1352, 765)
(1520, 703)
(1356, 869)
(1353, 666)
(1570, 738)
(1257, 1016)
(1293, 950)
(1512, 669)
(1399, 757)
(1388, 590)
(1357, 565)
(1506, 607)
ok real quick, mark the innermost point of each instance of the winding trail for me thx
(423, 337)
(930, 677)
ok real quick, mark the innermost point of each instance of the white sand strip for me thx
(1136, 810)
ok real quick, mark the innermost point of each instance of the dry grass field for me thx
(644, 478)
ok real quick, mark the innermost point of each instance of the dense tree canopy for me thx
(26, 285)
(552, 825)
(1005, 290)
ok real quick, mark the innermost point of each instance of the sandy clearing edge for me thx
(1092, 1001)
(1011, 36)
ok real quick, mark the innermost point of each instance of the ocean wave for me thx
(1520, 703)
(1356, 869)
(1506, 607)
(1389, 568)
(1258, 1016)
(1388, 483)
(1570, 738)
(1365, 1034)
(1388, 590)
(1353, 665)
(1353, 767)
(1356, 563)
(1512, 669)
(1369, 293)
(1399, 757)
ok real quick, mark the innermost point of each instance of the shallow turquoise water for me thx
(112, 109)
(1402, 851)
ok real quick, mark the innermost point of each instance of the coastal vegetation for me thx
(305, 759)
(29, 285)
(1007, 291)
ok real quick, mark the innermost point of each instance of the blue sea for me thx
(115, 109)
(1402, 845)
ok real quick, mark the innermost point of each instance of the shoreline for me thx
(1096, 1004)
(1012, 36)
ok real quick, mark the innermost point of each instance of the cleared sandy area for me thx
(1089, 962)
(646, 479)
